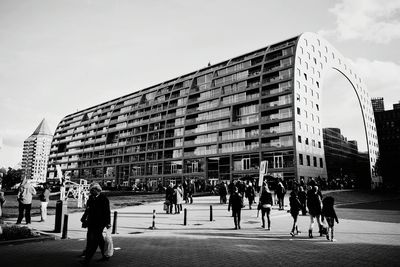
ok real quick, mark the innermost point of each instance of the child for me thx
(295, 207)
(329, 213)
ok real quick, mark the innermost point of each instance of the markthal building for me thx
(215, 124)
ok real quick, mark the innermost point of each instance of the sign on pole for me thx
(263, 171)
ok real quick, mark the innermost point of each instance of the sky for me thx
(61, 56)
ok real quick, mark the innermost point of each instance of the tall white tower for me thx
(36, 153)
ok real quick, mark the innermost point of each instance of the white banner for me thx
(263, 171)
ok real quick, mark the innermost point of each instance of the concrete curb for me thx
(28, 240)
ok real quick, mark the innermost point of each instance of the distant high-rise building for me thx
(377, 104)
(396, 106)
(36, 153)
(388, 129)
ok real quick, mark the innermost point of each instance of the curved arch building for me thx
(217, 123)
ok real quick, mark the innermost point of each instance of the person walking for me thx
(250, 194)
(236, 202)
(265, 204)
(2, 202)
(191, 191)
(280, 193)
(169, 198)
(328, 212)
(179, 198)
(25, 194)
(303, 200)
(44, 201)
(223, 191)
(96, 217)
(295, 207)
(314, 209)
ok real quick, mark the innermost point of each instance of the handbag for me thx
(266, 206)
(108, 244)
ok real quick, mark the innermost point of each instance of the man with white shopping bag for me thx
(96, 217)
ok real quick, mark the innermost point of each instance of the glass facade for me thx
(218, 123)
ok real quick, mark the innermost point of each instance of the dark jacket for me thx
(266, 198)
(250, 192)
(169, 194)
(235, 201)
(97, 213)
(295, 205)
(313, 203)
(328, 209)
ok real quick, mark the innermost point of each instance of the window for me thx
(321, 162)
(278, 162)
(308, 160)
(301, 159)
(299, 138)
(317, 84)
(305, 76)
(246, 164)
(306, 141)
(297, 97)
(315, 161)
(299, 124)
(313, 142)
(319, 144)
(195, 166)
(317, 106)
(298, 111)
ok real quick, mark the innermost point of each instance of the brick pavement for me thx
(205, 243)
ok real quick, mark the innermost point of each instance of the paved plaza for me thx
(215, 243)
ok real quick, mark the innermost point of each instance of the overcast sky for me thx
(60, 56)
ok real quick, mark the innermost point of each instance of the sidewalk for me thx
(214, 243)
(138, 220)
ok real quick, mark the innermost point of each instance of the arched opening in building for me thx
(345, 142)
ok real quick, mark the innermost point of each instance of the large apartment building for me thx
(216, 123)
(36, 152)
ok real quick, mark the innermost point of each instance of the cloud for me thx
(369, 20)
(381, 78)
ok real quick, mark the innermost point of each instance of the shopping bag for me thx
(108, 244)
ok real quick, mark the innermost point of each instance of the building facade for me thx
(36, 153)
(214, 124)
(378, 104)
(388, 126)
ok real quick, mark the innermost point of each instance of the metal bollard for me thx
(61, 210)
(65, 227)
(153, 226)
(184, 217)
(211, 214)
(114, 229)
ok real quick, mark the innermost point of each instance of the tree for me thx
(11, 178)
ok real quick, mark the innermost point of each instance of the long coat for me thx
(97, 213)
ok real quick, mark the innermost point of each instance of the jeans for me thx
(21, 209)
(263, 212)
(236, 216)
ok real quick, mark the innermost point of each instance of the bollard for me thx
(61, 210)
(65, 227)
(184, 217)
(153, 226)
(211, 214)
(114, 229)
